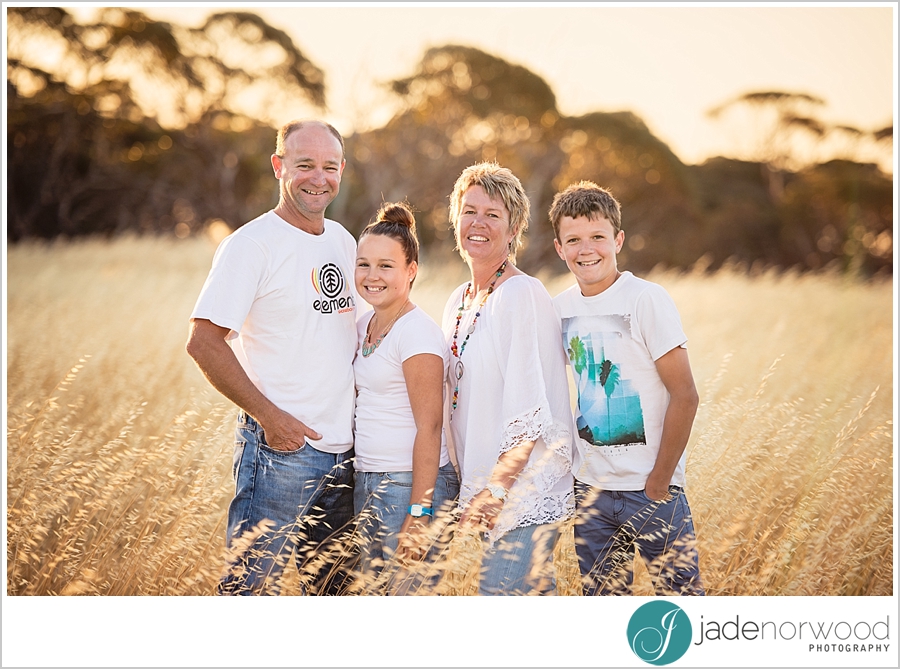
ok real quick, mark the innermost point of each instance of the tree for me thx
(782, 121)
(457, 78)
(459, 106)
(885, 134)
(838, 214)
(175, 75)
(883, 138)
(137, 124)
(656, 190)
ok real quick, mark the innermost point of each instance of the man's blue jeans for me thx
(611, 524)
(305, 500)
(381, 500)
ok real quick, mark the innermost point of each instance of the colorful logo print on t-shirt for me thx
(659, 632)
(329, 282)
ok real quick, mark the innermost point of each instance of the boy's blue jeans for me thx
(306, 497)
(611, 524)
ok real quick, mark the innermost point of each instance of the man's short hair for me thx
(498, 183)
(585, 199)
(285, 131)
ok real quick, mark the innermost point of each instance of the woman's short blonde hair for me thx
(499, 183)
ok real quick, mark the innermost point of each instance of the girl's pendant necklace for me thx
(368, 348)
(457, 351)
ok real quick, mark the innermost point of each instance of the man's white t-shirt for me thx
(288, 297)
(385, 427)
(612, 341)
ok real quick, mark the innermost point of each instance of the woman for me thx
(510, 417)
(403, 471)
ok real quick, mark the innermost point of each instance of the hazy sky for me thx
(669, 65)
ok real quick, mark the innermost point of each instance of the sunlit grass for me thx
(119, 452)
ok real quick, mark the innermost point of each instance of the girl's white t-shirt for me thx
(385, 427)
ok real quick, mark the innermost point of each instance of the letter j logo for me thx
(659, 632)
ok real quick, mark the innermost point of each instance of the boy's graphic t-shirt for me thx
(612, 341)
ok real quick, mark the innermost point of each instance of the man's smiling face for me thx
(310, 170)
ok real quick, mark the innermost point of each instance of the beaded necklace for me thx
(368, 348)
(458, 351)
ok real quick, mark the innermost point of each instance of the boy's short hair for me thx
(585, 199)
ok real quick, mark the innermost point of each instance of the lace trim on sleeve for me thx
(529, 426)
(532, 501)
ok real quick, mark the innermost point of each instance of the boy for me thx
(636, 405)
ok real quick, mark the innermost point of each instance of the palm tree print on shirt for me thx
(578, 358)
(608, 407)
(609, 379)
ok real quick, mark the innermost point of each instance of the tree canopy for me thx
(141, 125)
(144, 125)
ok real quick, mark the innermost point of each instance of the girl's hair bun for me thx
(396, 220)
(398, 213)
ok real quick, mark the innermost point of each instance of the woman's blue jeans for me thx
(521, 562)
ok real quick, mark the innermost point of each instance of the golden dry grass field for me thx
(118, 451)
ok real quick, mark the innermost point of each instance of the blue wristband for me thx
(417, 510)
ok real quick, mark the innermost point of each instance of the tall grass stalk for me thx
(119, 452)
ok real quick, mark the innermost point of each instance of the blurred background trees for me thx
(142, 125)
(130, 124)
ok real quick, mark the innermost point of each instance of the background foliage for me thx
(141, 125)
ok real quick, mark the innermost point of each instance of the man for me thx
(274, 331)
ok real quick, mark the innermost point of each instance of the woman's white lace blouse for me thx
(514, 389)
